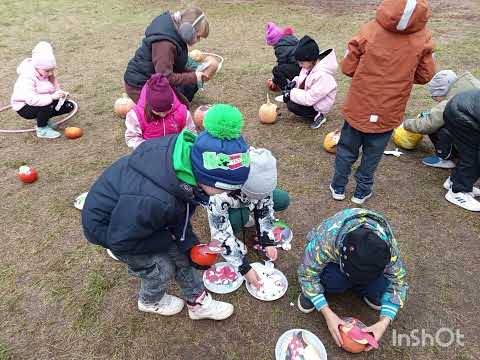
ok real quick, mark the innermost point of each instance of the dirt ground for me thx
(62, 298)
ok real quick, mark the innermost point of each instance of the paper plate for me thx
(222, 278)
(303, 345)
(80, 200)
(279, 98)
(275, 284)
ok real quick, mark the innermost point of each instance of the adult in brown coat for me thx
(388, 55)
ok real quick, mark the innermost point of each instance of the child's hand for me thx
(201, 77)
(272, 252)
(253, 278)
(57, 95)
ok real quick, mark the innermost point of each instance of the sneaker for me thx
(360, 200)
(110, 253)
(169, 305)
(447, 185)
(464, 200)
(435, 161)
(318, 121)
(207, 308)
(52, 124)
(272, 86)
(372, 304)
(304, 304)
(47, 133)
(336, 195)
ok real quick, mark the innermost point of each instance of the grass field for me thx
(61, 298)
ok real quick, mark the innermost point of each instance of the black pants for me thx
(443, 143)
(284, 72)
(188, 91)
(301, 110)
(44, 113)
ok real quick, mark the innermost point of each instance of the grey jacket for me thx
(430, 122)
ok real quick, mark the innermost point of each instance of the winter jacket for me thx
(139, 129)
(138, 206)
(432, 121)
(285, 48)
(462, 118)
(141, 67)
(31, 88)
(320, 88)
(325, 244)
(385, 59)
(221, 230)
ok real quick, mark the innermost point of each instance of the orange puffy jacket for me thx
(385, 59)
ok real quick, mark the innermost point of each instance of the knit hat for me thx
(262, 179)
(364, 256)
(441, 82)
(159, 93)
(273, 33)
(220, 155)
(42, 56)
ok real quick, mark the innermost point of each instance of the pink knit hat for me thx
(42, 56)
(273, 33)
(159, 93)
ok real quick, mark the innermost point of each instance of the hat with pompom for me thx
(220, 155)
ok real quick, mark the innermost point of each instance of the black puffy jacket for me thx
(284, 50)
(138, 206)
(462, 117)
(140, 67)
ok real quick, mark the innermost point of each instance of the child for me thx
(229, 212)
(385, 59)
(140, 209)
(443, 86)
(355, 249)
(158, 112)
(284, 44)
(313, 92)
(462, 120)
(37, 92)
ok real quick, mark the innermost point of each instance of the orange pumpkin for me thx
(197, 55)
(349, 344)
(331, 141)
(199, 115)
(73, 132)
(268, 112)
(123, 105)
(212, 68)
(200, 255)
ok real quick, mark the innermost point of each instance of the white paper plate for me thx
(222, 288)
(279, 98)
(314, 349)
(270, 277)
(80, 200)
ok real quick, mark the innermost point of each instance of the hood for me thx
(163, 27)
(289, 40)
(26, 68)
(153, 160)
(403, 16)
(328, 64)
(464, 82)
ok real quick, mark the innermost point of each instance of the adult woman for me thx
(164, 50)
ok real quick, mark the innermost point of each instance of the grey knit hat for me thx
(262, 179)
(441, 82)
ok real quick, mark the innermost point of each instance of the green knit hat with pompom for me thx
(224, 121)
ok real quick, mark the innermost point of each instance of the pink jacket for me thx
(320, 85)
(139, 129)
(31, 88)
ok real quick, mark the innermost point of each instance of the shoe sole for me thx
(47, 137)
(170, 313)
(219, 317)
(358, 201)
(371, 305)
(302, 309)
(335, 196)
(439, 166)
(319, 125)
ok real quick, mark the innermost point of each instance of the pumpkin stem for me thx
(268, 99)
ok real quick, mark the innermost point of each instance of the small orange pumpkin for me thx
(268, 112)
(331, 141)
(123, 105)
(201, 256)
(73, 132)
(197, 55)
(349, 344)
(199, 115)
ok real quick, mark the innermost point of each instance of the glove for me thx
(290, 85)
(286, 95)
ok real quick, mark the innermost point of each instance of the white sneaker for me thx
(464, 200)
(335, 195)
(167, 306)
(207, 308)
(447, 185)
(360, 201)
(47, 133)
(109, 252)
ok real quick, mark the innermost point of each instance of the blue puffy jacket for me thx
(138, 206)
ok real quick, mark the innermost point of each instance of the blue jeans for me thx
(336, 282)
(351, 140)
(156, 270)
